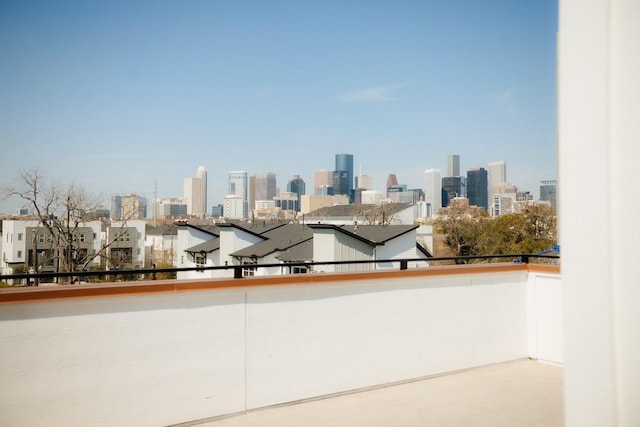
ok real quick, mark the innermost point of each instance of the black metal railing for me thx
(239, 269)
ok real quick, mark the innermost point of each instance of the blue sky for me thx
(118, 94)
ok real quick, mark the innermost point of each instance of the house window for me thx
(299, 270)
(19, 237)
(40, 238)
(82, 237)
(200, 260)
(19, 254)
(248, 272)
(127, 237)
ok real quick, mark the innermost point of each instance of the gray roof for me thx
(277, 239)
(213, 244)
(161, 230)
(372, 234)
(359, 210)
(298, 253)
(208, 246)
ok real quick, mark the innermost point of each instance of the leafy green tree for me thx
(470, 233)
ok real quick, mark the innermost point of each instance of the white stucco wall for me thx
(161, 359)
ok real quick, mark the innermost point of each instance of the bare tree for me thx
(63, 211)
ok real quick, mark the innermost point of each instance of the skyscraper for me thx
(128, 207)
(365, 182)
(433, 190)
(238, 186)
(340, 182)
(296, 185)
(548, 192)
(477, 188)
(344, 163)
(453, 186)
(265, 186)
(195, 193)
(497, 176)
(453, 165)
(391, 180)
(322, 179)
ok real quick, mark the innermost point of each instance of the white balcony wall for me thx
(166, 358)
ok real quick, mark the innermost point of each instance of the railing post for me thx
(525, 259)
(403, 264)
(153, 275)
(237, 272)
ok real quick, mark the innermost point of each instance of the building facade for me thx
(238, 186)
(265, 186)
(453, 165)
(548, 192)
(478, 187)
(297, 185)
(497, 176)
(433, 190)
(344, 165)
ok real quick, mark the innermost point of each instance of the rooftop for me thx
(522, 392)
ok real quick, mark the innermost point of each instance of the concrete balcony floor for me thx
(523, 393)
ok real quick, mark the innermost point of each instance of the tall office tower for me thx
(128, 207)
(233, 207)
(296, 185)
(453, 165)
(265, 186)
(340, 182)
(322, 179)
(548, 192)
(477, 188)
(365, 182)
(344, 163)
(497, 176)
(391, 180)
(453, 186)
(433, 190)
(238, 186)
(195, 193)
(252, 192)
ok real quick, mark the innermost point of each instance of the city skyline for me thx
(118, 96)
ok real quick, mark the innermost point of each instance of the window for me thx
(19, 237)
(248, 272)
(19, 254)
(299, 270)
(127, 237)
(200, 259)
(82, 237)
(40, 238)
(94, 236)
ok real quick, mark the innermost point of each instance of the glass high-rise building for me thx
(497, 176)
(195, 193)
(453, 186)
(433, 190)
(548, 192)
(477, 188)
(344, 164)
(265, 186)
(296, 185)
(238, 186)
(453, 165)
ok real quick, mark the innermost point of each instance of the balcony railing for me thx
(152, 273)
